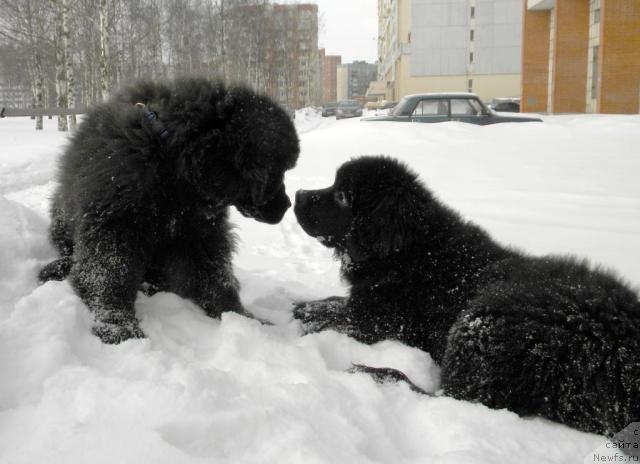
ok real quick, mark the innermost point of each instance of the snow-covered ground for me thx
(199, 390)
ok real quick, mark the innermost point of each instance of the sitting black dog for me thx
(540, 336)
(144, 189)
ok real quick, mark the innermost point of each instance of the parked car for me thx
(508, 105)
(329, 109)
(440, 107)
(386, 104)
(380, 105)
(348, 109)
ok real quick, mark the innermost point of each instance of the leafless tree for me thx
(89, 47)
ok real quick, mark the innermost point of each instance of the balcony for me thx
(540, 4)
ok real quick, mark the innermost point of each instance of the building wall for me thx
(361, 74)
(619, 90)
(535, 59)
(433, 49)
(329, 79)
(441, 37)
(342, 82)
(593, 76)
(491, 86)
(498, 37)
(593, 54)
(293, 51)
(486, 86)
(13, 95)
(571, 56)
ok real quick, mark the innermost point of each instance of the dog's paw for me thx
(56, 270)
(386, 375)
(327, 314)
(112, 333)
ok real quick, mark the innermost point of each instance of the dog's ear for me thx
(387, 223)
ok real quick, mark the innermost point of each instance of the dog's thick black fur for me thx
(540, 336)
(143, 200)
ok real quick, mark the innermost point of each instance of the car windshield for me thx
(403, 107)
(348, 104)
(330, 105)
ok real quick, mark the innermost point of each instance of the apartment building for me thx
(295, 28)
(330, 65)
(273, 48)
(581, 56)
(14, 95)
(450, 46)
(353, 79)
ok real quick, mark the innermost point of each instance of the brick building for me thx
(295, 54)
(273, 48)
(581, 56)
(330, 65)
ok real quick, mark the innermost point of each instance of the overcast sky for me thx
(348, 28)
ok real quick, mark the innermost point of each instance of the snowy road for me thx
(232, 391)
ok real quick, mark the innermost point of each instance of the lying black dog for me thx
(144, 190)
(540, 336)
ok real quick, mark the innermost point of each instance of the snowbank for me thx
(234, 391)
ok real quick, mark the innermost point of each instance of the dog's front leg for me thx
(328, 314)
(107, 271)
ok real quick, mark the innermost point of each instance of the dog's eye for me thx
(342, 199)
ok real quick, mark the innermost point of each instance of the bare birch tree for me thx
(67, 59)
(250, 41)
(103, 12)
(23, 23)
(35, 23)
(60, 66)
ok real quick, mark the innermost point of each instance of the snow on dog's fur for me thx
(146, 200)
(542, 336)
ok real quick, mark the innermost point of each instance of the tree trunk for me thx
(104, 50)
(35, 42)
(61, 73)
(68, 61)
(39, 87)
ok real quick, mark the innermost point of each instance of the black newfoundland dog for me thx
(144, 189)
(540, 336)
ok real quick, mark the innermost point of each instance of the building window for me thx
(473, 12)
(470, 85)
(594, 73)
(596, 16)
(471, 57)
(471, 35)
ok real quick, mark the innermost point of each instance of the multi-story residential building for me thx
(274, 49)
(330, 65)
(14, 95)
(581, 56)
(353, 79)
(296, 54)
(449, 46)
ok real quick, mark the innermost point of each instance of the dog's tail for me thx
(56, 270)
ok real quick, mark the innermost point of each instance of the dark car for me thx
(440, 107)
(329, 109)
(348, 109)
(507, 105)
